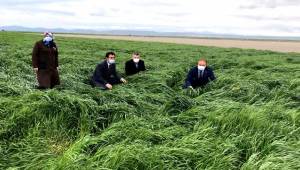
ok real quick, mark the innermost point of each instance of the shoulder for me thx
(38, 43)
(54, 44)
(102, 64)
(209, 69)
(129, 61)
(193, 69)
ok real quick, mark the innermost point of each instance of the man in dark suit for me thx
(199, 76)
(105, 74)
(134, 65)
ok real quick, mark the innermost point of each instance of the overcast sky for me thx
(246, 17)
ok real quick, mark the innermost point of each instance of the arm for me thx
(143, 66)
(127, 68)
(189, 78)
(212, 76)
(115, 73)
(35, 53)
(56, 55)
(99, 74)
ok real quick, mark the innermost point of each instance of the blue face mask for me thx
(47, 39)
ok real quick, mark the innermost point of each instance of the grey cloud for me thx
(251, 6)
(107, 12)
(254, 4)
(54, 12)
(174, 14)
(29, 2)
(155, 3)
(33, 7)
(282, 28)
(35, 11)
(257, 17)
(98, 14)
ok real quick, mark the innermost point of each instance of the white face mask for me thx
(201, 68)
(47, 39)
(111, 61)
(136, 60)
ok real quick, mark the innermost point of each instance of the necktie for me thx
(199, 74)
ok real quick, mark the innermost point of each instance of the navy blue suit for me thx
(131, 67)
(198, 79)
(104, 74)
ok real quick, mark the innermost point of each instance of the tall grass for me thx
(248, 119)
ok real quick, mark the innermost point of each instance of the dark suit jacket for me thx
(193, 80)
(130, 67)
(45, 57)
(104, 74)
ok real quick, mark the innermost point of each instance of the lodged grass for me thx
(248, 119)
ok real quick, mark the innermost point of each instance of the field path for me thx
(273, 45)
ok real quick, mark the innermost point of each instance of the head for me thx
(110, 57)
(136, 57)
(202, 64)
(48, 36)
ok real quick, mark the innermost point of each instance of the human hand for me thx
(109, 86)
(123, 80)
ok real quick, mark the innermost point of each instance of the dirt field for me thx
(281, 46)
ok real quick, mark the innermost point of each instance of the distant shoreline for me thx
(243, 38)
(258, 44)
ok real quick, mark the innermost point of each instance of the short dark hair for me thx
(109, 53)
(136, 53)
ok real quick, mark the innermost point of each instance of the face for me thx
(111, 57)
(48, 38)
(48, 35)
(202, 63)
(135, 56)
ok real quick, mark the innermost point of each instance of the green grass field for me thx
(248, 119)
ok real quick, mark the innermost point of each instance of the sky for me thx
(242, 17)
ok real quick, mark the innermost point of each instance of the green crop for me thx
(249, 118)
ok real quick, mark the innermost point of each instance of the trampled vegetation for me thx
(248, 119)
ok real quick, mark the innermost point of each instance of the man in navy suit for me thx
(105, 74)
(199, 76)
(134, 65)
